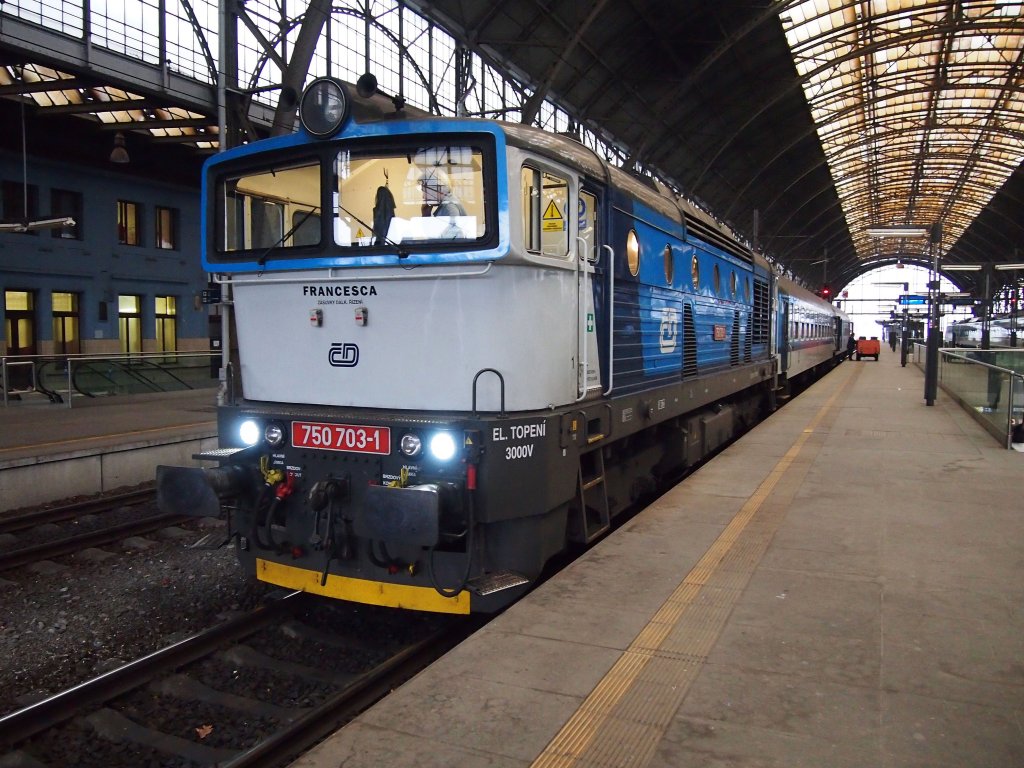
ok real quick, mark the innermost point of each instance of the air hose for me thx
(470, 517)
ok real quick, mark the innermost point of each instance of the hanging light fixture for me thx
(897, 231)
(119, 154)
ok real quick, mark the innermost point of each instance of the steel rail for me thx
(22, 724)
(18, 522)
(77, 543)
(309, 729)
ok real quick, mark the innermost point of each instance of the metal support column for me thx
(931, 367)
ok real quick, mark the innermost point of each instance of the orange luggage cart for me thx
(868, 347)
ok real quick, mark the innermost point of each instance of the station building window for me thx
(166, 324)
(20, 334)
(545, 203)
(167, 228)
(15, 196)
(128, 223)
(65, 202)
(66, 339)
(129, 323)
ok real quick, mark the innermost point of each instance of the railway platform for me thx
(841, 587)
(50, 452)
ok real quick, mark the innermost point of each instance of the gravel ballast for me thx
(67, 621)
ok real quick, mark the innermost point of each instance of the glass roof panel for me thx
(918, 106)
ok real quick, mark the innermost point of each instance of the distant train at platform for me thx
(465, 346)
(968, 333)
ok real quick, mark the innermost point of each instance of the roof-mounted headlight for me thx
(324, 107)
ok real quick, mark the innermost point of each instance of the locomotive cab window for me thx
(410, 195)
(586, 215)
(545, 203)
(413, 196)
(275, 208)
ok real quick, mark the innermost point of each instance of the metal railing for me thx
(61, 378)
(988, 384)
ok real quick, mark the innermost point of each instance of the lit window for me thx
(167, 228)
(166, 323)
(65, 323)
(128, 223)
(129, 318)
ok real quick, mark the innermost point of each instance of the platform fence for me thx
(987, 383)
(61, 379)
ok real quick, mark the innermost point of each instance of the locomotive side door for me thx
(592, 259)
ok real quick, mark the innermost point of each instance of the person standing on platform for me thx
(892, 341)
(851, 345)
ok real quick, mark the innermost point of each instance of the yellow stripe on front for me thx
(361, 590)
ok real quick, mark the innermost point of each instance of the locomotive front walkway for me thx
(841, 587)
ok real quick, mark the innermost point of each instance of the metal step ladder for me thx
(592, 497)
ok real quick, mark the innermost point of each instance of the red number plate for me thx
(341, 437)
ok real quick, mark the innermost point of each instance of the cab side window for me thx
(545, 203)
(586, 214)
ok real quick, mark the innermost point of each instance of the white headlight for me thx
(249, 432)
(442, 446)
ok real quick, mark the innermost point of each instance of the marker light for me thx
(442, 446)
(249, 432)
(324, 107)
(274, 434)
(411, 445)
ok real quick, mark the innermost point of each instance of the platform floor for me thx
(841, 587)
(50, 452)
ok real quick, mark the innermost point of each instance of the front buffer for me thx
(443, 515)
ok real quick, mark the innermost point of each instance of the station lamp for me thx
(897, 231)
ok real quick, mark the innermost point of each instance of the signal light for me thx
(826, 291)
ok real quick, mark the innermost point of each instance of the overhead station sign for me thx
(912, 300)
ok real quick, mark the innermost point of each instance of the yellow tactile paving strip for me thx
(624, 718)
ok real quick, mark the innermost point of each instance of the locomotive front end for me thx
(362, 265)
(364, 512)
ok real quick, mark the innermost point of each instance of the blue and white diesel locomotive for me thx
(465, 345)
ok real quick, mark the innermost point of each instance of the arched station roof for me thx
(804, 124)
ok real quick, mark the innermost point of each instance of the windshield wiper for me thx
(262, 260)
(402, 252)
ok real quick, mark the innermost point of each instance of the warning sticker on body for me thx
(552, 220)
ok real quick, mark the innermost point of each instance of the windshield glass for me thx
(272, 208)
(409, 196)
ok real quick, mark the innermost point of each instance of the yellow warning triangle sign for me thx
(551, 213)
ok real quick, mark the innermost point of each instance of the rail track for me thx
(22, 532)
(134, 715)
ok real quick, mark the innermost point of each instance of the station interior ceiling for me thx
(812, 127)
